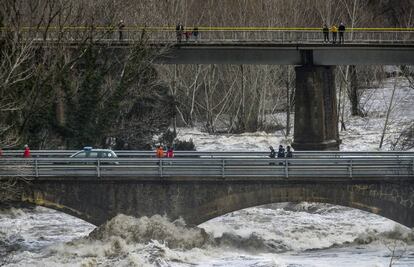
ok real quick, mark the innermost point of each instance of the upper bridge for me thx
(242, 45)
(199, 187)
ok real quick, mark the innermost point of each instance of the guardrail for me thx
(351, 167)
(217, 154)
(210, 34)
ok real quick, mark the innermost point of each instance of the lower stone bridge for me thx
(199, 199)
(200, 187)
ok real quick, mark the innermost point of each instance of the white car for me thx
(89, 152)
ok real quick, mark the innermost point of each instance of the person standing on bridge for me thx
(281, 152)
(325, 31)
(159, 152)
(272, 154)
(341, 33)
(26, 153)
(195, 33)
(334, 31)
(179, 29)
(170, 152)
(121, 27)
(289, 153)
(187, 35)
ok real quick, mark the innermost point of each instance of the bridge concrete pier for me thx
(316, 120)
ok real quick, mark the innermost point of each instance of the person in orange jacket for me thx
(159, 152)
(26, 153)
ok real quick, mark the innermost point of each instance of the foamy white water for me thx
(275, 235)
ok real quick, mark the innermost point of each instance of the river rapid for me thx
(284, 234)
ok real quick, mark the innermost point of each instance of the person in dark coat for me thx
(195, 33)
(281, 152)
(121, 27)
(179, 29)
(289, 153)
(325, 31)
(341, 30)
(272, 154)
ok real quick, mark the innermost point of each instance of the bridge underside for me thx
(288, 54)
(198, 200)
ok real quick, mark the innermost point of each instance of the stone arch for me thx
(390, 200)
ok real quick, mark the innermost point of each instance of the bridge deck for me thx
(243, 45)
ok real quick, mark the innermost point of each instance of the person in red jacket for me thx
(170, 153)
(26, 153)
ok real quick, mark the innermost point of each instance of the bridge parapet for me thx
(210, 35)
(340, 167)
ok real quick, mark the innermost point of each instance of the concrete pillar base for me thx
(316, 120)
(320, 146)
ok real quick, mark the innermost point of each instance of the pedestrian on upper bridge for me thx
(187, 35)
(179, 30)
(334, 31)
(325, 31)
(341, 33)
(26, 153)
(121, 27)
(195, 33)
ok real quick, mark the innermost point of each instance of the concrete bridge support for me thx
(316, 120)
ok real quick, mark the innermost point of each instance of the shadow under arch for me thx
(57, 208)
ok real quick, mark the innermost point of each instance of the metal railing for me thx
(350, 167)
(211, 34)
(216, 154)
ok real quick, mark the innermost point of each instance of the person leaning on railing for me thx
(341, 33)
(179, 29)
(121, 27)
(334, 31)
(159, 152)
(26, 153)
(289, 153)
(195, 33)
(325, 31)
